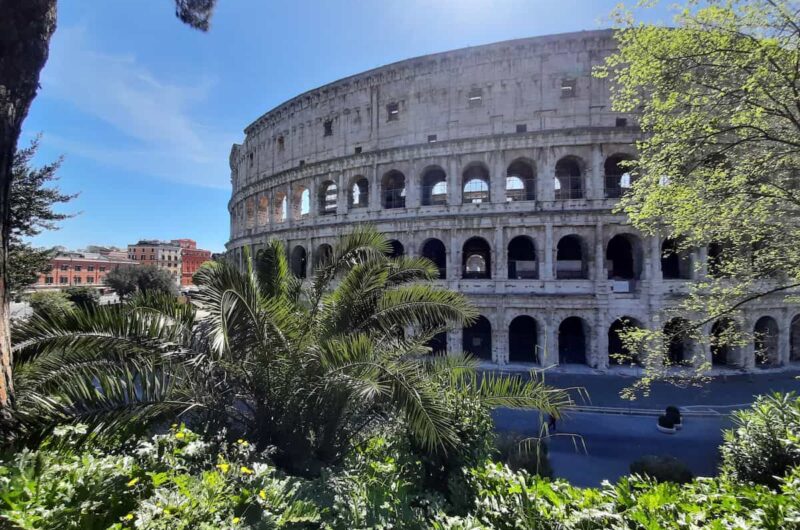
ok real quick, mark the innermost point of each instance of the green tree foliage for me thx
(32, 211)
(311, 369)
(719, 163)
(764, 443)
(46, 303)
(126, 281)
(83, 297)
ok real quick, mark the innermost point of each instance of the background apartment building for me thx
(165, 255)
(191, 259)
(79, 269)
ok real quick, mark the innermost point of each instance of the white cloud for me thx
(157, 118)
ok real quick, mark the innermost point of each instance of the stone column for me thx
(656, 274)
(545, 179)
(342, 204)
(375, 203)
(550, 353)
(599, 347)
(455, 342)
(314, 203)
(497, 189)
(454, 258)
(500, 260)
(784, 338)
(453, 181)
(600, 274)
(500, 342)
(546, 269)
(290, 206)
(413, 195)
(595, 178)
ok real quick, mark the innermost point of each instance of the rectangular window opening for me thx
(475, 97)
(568, 87)
(622, 122)
(393, 111)
(431, 138)
(328, 127)
(522, 127)
(358, 150)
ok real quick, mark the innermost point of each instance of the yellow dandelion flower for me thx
(180, 435)
(246, 470)
(224, 467)
(129, 517)
(236, 520)
(262, 494)
(133, 482)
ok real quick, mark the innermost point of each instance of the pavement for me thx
(599, 440)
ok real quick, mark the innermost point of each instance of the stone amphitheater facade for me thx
(501, 164)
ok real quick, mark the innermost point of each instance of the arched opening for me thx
(328, 198)
(301, 202)
(622, 257)
(298, 261)
(676, 263)
(476, 184)
(396, 249)
(765, 340)
(724, 334)
(794, 339)
(476, 259)
(359, 193)
(677, 342)
(522, 259)
(438, 344)
(620, 352)
(434, 250)
(717, 260)
(434, 187)
(281, 210)
(263, 210)
(323, 256)
(522, 347)
(250, 211)
(569, 179)
(570, 264)
(393, 190)
(520, 182)
(618, 179)
(477, 339)
(572, 343)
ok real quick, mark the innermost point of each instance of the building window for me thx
(48, 279)
(358, 150)
(522, 128)
(65, 267)
(76, 280)
(392, 112)
(568, 87)
(328, 127)
(102, 269)
(252, 158)
(89, 280)
(475, 98)
(63, 280)
(90, 268)
(281, 143)
(77, 268)
(622, 122)
(431, 138)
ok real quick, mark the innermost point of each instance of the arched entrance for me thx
(324, 255)
(723, 338)
(570, 264)
(677, 342)
(434, 187)
(620, 352)
(477, 339)
(438, 344)
(298, 261)
(794, 339)
(522, 259)
(572, 343)
(396, 249)
(676, 263)
(765, 340)
(622, 257)
(434, 250)
(476, 258)
(522, 347)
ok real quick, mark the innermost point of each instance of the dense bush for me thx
(765, 440)
(126, 281)
(85, 297)
(50, 302)
(662, 469)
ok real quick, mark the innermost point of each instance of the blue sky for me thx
(145, 110)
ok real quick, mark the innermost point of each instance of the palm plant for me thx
(309, 369)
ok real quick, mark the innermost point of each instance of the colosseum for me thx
(500, 163)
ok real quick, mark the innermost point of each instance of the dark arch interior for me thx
(438, 344)
(434, 187)
(716, 260)
(324, 254)
(572, 341)
(298, 261)
(765, 340)
(477, 339)
(522, 340)
(396, 249)
(476, 184)
(794, 339)
(434, 250)
(476, 259)
(328, 198)
(619, 255)
(675, 263)
(721, 341)
(522, 259)
(394, 190)
(677, 342)
(618, 352)
(570, 180)
(569, 258)
(523, 189)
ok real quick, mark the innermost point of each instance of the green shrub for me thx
(523, 452)
(765, 440)
(662, 469)
(85, 297)
(50, 302)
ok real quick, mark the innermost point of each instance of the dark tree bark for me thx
(25, 30)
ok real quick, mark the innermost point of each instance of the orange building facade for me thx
(71, 269)
(191, 259)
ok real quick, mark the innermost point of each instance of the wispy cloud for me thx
(158, 119)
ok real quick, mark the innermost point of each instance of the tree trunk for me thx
(25, 30)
